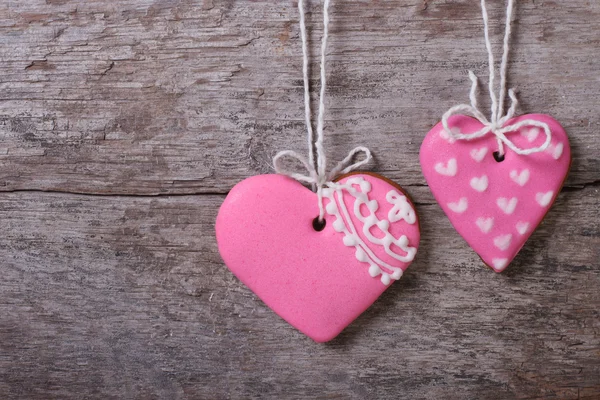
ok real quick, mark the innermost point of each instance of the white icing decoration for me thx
(365, 187)
(479, 154)
(485, 224)
(331, 208)
(386, 279)
(374, 270)
(444, 135)
(338, 225)
(343, 223)
(480, 184)
(556, 151)
(349, 241)
(520, 178)
(544, 199)
(460, 206)
(499, 263)
(530, 134)
(506, 205)
(522, 227)
(401, 210)
(503, 242)
(447, 170)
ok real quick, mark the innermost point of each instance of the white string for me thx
(498, 120)
(319, 176)
(307, 111)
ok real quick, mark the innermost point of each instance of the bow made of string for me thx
(313, 177)
(317, 177)
(497, 124)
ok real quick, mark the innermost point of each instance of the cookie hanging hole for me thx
(319, 224)
(498, 157)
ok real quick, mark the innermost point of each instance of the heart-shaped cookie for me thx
(319, 281)
(495, 204)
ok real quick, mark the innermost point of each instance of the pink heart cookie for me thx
(495, 206)
(318, 281)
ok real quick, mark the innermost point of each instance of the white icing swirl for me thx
(401, 210)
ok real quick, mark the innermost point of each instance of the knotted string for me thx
(497, 124)
(318, 177)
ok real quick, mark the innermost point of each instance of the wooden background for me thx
(123, 125)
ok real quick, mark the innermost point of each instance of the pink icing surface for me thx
(311, 279)
(500, 233)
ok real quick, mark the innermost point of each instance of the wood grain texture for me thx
(142, 114)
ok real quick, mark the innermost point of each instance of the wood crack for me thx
(566, 188)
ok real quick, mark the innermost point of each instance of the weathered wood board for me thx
(123, 124)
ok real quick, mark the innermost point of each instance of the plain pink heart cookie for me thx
(495, 206)
(318, 281)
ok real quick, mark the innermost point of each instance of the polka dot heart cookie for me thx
(495, 205)
(495, 179)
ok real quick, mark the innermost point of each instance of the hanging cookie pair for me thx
(320, 258)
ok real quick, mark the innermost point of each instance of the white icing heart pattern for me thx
(444, 135)
(544, 199)
(530, 134)
(506, 205)
(503, 242)
(485, 224)
(460, 206)
(499, 264)
(556, 151)
(522, 227)
(479, 154)
(449, 169)
(495, 205)
(520, 178)
(480, 184)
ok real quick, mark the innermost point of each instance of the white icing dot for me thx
(349, 240)
(397, 274)
(326, 192)
(331, 208)
(361, 255)
(374, 270)
(385, 279)
(402, 241)
(338, 225)
(383, 225)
